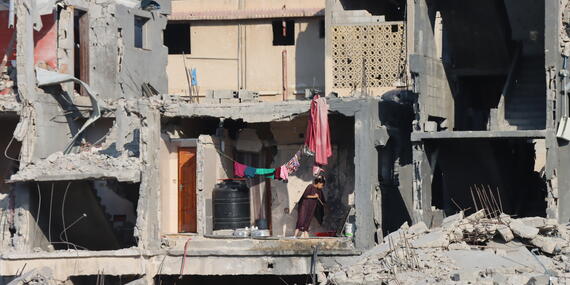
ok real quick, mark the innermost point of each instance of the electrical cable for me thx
(184, 259)
(63, 213)
(6, 150)
(39, 205)
(72, 224)
(50, 208)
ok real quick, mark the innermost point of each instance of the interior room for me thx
(269, 202)
(64, 211)
(488, 173)
(493, 57)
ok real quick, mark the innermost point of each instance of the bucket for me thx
(348, 230)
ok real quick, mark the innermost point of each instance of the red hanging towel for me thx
(317, 137)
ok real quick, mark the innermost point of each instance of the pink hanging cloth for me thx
(239, 169)
(317, 137)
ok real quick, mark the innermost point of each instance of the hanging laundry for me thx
(266, 172)
(307, 151)
(239, 169)
(294, 163)
(317, 137)
(281, 173)
(317, 170)
(250, 172)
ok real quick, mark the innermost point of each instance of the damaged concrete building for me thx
(132, 115)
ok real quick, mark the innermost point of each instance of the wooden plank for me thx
(187, 212)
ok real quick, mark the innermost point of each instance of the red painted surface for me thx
(45, 41)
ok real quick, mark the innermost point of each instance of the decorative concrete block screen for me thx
(369, 55)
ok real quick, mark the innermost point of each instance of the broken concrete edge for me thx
(136, 252)
(121, 176)
(10, 103)
(80, 166)
(254, 112)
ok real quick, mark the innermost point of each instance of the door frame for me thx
(193, 224)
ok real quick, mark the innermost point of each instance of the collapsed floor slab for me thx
(253, 112)
(81, 166)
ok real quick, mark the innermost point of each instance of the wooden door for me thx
(187, 190)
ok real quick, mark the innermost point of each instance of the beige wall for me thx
(201, 5)
(210, 169)
(255, 64)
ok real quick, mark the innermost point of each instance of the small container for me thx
(348, 230)
(244, 232)
(260, 233)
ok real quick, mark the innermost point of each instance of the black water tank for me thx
(231, 205)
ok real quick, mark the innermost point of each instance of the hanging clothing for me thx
(317, 137)
(293, 163)
(281, 173)
(249, 172)
(266, 172)
(307, 207)
(239, 169)
(317, 170)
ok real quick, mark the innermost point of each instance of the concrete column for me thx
(366, 173)
(148, 210)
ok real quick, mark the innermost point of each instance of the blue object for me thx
(194, 78)
(250, 172)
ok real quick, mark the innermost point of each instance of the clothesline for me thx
(317, 143)
(233, 160)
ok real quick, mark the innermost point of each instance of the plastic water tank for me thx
(231, 205)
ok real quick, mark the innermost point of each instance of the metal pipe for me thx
(284, 75)
(11, 15)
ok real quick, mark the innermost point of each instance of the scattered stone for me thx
(464, 276)
(452, 221)
(459, 246)
(537, 222)
(476, 216)
(41, 275)
(522, 230)
(418, 228)
(539, 280)
(470, 250)
(546, 244)
(505, 233)
(433, 239)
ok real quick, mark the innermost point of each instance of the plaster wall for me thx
(247, 59)
(209, 171)
(191, 5)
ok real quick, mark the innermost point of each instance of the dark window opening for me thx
(232, 279)
(81, 49)
(177, 38)
(321, 29)
(283, 33)
(103, 279)
(504, 168)
(140, 32)
(393, 10)
(78, 207)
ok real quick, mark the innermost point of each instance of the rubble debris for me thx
(41, 275)
(471, 250)
(84, 165)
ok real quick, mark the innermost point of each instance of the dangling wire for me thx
(63, 213)
(50, 207)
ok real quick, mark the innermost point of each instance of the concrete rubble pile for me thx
(478, 249)
(5, 80)
(84, 163)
